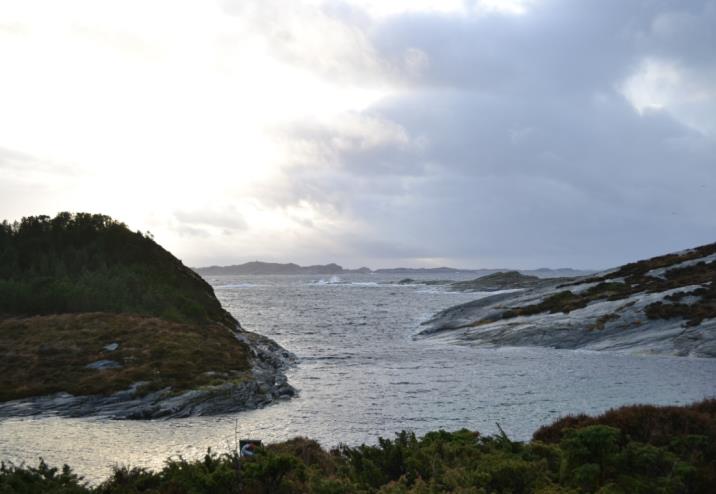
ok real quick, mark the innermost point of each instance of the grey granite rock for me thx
(612, 323)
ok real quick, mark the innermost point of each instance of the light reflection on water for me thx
(362, 376)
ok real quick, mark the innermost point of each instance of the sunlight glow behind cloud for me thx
(366, 131)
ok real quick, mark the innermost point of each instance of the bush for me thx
(593, 458)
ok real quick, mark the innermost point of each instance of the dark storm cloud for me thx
(516, 145)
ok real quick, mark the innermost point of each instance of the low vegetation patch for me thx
(635, 278)
(47, 354)
(637, 449)
(703, 308)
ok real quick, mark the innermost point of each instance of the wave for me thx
(435, 291)
(337, 280)
(333, 280)
(235, 285)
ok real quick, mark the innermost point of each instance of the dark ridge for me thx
(85, 262)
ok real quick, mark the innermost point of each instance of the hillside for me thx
(97, 319)
(663, 305)
(90, 262)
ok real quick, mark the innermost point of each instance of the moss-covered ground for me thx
(47, 354)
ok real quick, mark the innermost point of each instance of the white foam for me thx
(235, 285)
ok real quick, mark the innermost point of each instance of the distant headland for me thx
(273, 268)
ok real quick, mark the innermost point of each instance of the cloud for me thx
(196, 222)
(22, 164)
(330, 39)
(516, 142)
(359, 143)
(476, 133)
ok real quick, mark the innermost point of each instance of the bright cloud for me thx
(471, 132)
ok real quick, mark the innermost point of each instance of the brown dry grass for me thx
(47, 354)
(657, 425)
(636, 281)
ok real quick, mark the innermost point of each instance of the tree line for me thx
(86, 262)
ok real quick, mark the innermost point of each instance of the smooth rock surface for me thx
(617, 323)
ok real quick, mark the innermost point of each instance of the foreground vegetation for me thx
(635, 449)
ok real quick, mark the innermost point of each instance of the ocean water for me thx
(361, 375)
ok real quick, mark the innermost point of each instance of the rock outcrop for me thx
(665, 305)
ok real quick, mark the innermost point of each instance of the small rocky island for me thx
(509, 280)
(98, 320)
(664, 305)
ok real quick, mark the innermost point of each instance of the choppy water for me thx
(362, 376)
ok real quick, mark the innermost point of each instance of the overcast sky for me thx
(476, 133)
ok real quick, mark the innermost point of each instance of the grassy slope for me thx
(47, 354)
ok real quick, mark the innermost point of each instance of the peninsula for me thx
(273, 268)
(664, 305)
(98, 320)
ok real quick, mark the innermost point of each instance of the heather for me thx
(633, 449)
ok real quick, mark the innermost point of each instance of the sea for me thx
(361, 374)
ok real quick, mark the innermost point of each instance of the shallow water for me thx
(361, 375)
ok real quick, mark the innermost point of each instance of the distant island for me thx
(508, 280)
(96, 319)
(663, 305)
(273, 268)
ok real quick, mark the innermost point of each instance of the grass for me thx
(46, 354)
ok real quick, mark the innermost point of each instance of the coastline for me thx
(265, 384)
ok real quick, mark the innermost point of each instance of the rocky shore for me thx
(664, 306)
(266, 384)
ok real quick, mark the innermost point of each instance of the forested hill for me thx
(90, 263)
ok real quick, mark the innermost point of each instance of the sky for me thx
(467, 133)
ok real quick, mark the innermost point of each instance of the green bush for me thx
(595, 458)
